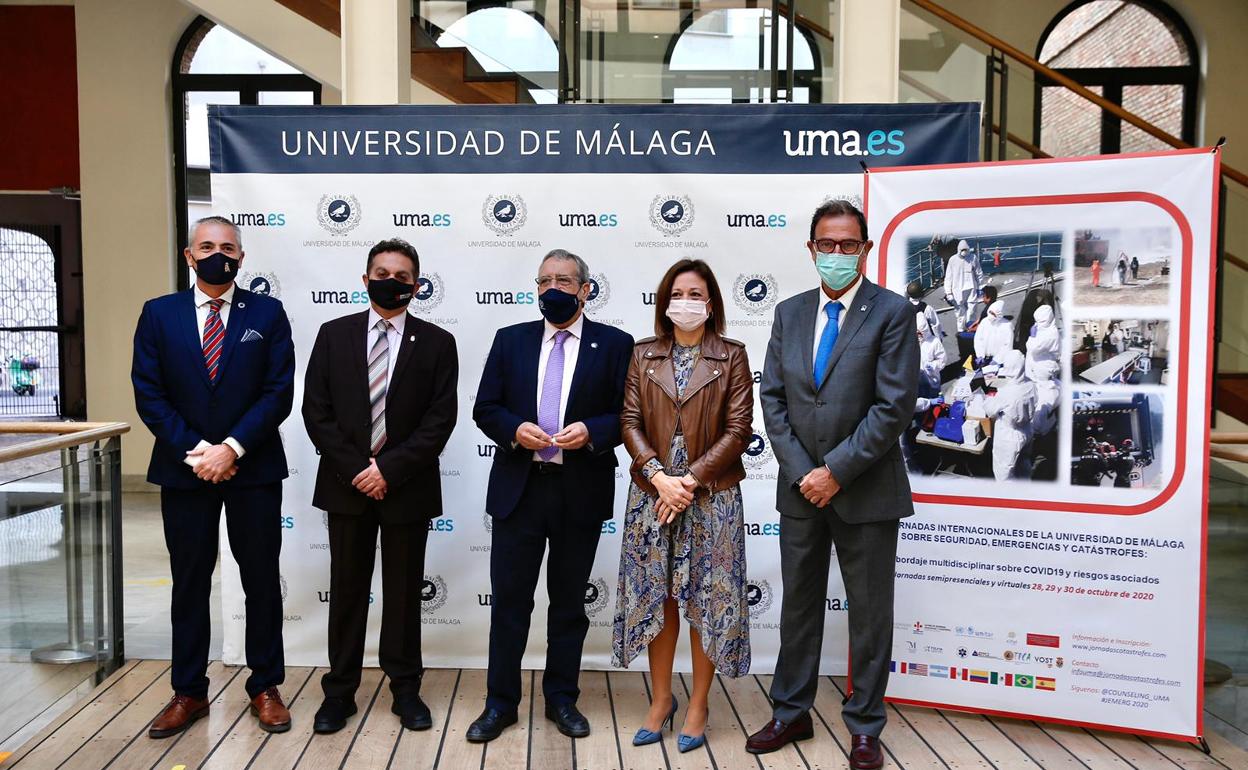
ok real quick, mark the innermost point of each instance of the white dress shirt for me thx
(394, 337)
(201, 317)
(821, 318)
(571, 348)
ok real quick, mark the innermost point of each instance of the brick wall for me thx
(1110, 33)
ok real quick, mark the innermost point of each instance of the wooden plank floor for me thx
(107, 729)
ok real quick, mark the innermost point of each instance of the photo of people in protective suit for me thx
(987, 316)
(1122, 351)
(1115, 440)
(1127, 266)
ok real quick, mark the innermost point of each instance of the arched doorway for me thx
(212, 65)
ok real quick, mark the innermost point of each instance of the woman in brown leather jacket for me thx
(688, 409)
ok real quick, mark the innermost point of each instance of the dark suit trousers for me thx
(253, 524)
(352, 553)
(544, 514)
(867, 554)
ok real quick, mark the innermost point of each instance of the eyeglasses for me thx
(846, 246)
(562, 281)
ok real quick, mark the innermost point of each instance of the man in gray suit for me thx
(838, 389)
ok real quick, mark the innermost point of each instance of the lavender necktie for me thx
(552, 388)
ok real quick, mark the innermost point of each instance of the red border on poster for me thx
(1185, 311)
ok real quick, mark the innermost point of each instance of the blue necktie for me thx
(827, 341)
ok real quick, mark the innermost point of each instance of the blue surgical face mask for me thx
(837, 270)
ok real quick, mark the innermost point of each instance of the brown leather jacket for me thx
(715, 414)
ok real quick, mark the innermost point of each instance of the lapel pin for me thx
(412, 338)
(242, 305)
(593, 344)
(863, 308)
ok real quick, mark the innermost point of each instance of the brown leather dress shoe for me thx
(181, 712)
(865, 753)
(776, 735)
(270, 711)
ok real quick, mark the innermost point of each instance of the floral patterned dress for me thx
(698, 560)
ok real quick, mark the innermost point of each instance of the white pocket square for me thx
(251, 335)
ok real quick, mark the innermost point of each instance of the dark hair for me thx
(663, 326)
(914, 289)
(398, 246)
(836, 207)
(990, 291)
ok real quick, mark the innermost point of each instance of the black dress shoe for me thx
(332, 715)
(412, 711)
(570, 722)
(489, 726)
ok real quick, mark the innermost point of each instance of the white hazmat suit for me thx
(1048, 394)
(995, 334)
(1046, 345)
(931, 358)
(964, 279)
(1012, 409)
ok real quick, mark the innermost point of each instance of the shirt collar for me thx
(398, 322)
(202, 299)
(575, 329)
(846, 299)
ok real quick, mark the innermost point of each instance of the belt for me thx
(544, 468)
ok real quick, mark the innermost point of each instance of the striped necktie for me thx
(214, 336)
(378, 367)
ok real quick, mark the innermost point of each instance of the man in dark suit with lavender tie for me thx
(550, 398)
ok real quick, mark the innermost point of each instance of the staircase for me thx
(452, 72)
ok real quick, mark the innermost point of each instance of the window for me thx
(724, 56)
(507, 40)
(1138, 54)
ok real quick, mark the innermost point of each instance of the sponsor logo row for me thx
(918, 628)
(754, 293)
(505, 214)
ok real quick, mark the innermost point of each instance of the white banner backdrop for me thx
(1076, 592)
(314, 188)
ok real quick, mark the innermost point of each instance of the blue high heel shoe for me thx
(685, 743)
(645, 737)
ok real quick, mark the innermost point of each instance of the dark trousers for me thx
(253, 523)
(352, 553)
(544, 514)
(867, 554)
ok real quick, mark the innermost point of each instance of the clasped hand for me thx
(675, 495)
(819, 487)
(532, 437)
(370, 481)
(215, 463)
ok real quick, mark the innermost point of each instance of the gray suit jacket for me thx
(853, 423)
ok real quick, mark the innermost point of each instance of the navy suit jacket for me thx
(507, 397)
(250, 399)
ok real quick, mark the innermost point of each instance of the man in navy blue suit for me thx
(213, 375)
(550, 398)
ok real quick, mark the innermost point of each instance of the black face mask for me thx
(558, 307)
(216, 269)
(390, 293)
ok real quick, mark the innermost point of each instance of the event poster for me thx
(483, 193)
(1058, 455)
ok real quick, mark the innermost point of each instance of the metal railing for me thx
(60, 542)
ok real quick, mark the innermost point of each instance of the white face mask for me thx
(688, 314)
